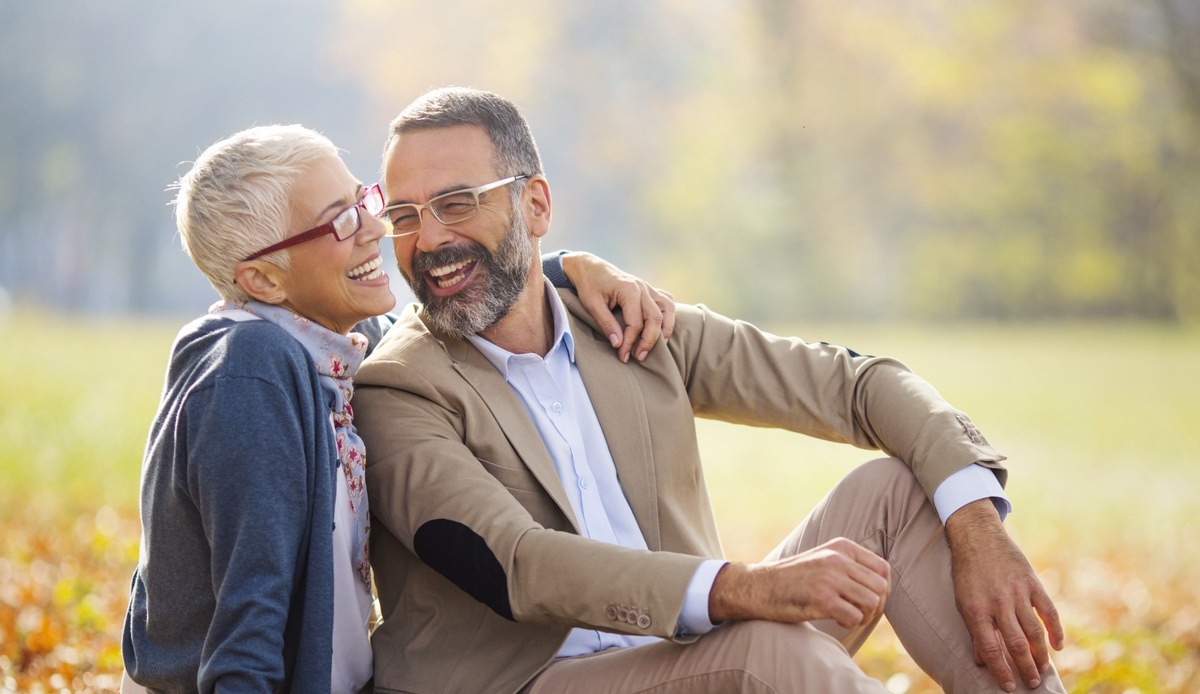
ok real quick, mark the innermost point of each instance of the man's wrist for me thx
(694, 618)
(976, 517)
(724, 598)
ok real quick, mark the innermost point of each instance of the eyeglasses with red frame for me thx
(346, 224)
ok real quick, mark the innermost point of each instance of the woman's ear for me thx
(262, 280)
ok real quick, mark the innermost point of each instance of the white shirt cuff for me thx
(972, 483)
(694, 617)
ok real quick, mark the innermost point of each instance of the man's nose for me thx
(432, 233)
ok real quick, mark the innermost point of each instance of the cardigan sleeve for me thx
(249, 479)
(553, 270)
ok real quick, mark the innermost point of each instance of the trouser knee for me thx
(877, 477)
(794, 657)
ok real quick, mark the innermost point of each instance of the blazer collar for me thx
(615, 397)
(509, 412)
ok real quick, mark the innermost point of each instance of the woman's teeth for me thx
(369, 270)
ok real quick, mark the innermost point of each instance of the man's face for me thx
(469, 274)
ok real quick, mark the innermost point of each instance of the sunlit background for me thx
(1005, 194)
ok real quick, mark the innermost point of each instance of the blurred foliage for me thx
(778, 159)
(862, 159)
(77, 401)
(1096, 419)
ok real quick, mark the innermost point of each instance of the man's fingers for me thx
(1035, 635)
(867, 588)
(848, 615)
(875, 563)
(862, 556)
(870, 579)
(1049, 614)
(1020, 650)
(990, 650)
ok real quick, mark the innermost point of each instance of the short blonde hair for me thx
(237, 199)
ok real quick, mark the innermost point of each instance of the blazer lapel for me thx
(514, 421)
(622, 413)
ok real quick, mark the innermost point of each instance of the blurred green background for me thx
(1004, 195)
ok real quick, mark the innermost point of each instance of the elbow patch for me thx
(461, 555)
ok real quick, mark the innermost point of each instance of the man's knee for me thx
(877, 477)
(791, 657)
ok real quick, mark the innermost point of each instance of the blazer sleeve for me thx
(736, 372)
(447, 504)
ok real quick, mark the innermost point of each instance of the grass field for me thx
(1100, 423)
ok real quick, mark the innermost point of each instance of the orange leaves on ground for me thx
(63, 591)
(1133, 624)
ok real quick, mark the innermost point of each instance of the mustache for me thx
(469, 251)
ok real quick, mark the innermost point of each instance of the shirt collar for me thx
(563, 339)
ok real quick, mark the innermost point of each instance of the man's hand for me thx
(839, 580)
(602, 287)
(1000, 597)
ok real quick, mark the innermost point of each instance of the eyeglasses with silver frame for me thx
(447, 208)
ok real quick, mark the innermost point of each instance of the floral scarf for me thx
(337, 358)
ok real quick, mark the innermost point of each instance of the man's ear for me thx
(262, 280)
(537, 206)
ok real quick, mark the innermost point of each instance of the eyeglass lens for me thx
(447, 209)
(347, 223)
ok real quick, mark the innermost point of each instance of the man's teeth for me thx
(447, 269)
(448, 272)
(368, 270)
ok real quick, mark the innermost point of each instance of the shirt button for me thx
(583, 483)
(557, 407)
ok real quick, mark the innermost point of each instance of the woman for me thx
(253, 572)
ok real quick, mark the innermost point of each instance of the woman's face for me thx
(334, 283)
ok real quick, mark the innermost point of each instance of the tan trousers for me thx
(880, 506)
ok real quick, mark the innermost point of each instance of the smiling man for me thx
(542, 522)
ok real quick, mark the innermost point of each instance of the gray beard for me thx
(500, 280)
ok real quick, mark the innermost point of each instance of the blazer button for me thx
(643, 621)
(611, 612)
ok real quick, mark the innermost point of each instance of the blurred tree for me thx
(1181, 19)
(982, 159)
(102, 105)
(776, 158)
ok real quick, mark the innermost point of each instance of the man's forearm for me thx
(972, 520)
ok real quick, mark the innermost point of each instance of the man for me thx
(542, 523)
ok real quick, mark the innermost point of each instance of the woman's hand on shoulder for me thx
(649, 313)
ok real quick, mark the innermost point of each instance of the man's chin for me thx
(456, 315)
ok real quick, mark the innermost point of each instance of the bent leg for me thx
(881, 506)
(754, 657)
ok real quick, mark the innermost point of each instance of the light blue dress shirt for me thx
(554, 395)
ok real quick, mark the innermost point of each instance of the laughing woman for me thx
(253, 572)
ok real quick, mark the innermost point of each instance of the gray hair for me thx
(237, 199)
(515, 150)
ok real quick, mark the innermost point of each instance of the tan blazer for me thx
(480, 569)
